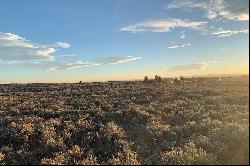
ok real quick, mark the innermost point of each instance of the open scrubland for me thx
(193, 121)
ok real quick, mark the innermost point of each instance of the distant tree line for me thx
(157, 79)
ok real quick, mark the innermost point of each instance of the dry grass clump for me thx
(188, 155)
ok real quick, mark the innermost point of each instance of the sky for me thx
(93, 40)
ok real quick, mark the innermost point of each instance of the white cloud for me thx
(162, 25)
(70, 65)
(225, 49)
(179, 46)
(229, 9)
(17, 48)
(9, 62)
(195, 66)
(226, 33)
(211, 14)
(183, 35)
(174, 46)
(233, 10)
(61, 44)
(116, 60)
(100, 61)
(53, 68)
(187, 4)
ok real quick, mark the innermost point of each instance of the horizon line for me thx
(188, 76)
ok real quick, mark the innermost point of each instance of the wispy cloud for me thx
(227, 33)
(17, 48)
(195, 66)
(225, 49)
(187, 67)
(67, 55)
(183, 35)
(187, 4)
(116, 60)
(233, 10)
(162, 25)
(61, 44)
(229, 9)
(53, 68)
(179, 46)
(100, 61)
(70, 65)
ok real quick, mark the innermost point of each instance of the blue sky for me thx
(68, 41)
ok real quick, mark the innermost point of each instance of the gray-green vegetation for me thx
(193, 121)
